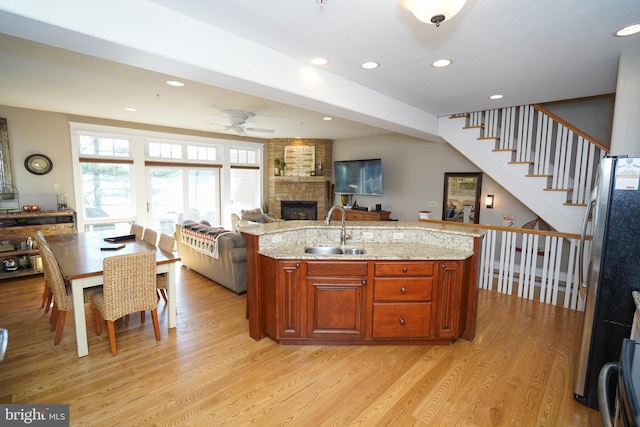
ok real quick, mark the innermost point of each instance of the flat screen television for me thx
(358, 176)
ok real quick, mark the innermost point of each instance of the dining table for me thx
(80, 256)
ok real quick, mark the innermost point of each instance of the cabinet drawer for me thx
(401, 320)
(403, 268)
(336, 269)
(409, 289)
(50, 229)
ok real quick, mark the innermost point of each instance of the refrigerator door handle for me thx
(583, 237)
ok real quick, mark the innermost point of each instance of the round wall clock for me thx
(38, 164)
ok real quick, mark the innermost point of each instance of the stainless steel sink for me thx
(353, 251)
(332, 250)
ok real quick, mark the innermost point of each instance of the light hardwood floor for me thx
(208, 372)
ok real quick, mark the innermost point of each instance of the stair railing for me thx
(532, 264)
(552, 147)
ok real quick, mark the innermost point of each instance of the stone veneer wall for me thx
(289, 188)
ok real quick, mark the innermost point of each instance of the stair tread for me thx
(558, 189)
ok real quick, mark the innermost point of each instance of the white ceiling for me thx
(94, 59)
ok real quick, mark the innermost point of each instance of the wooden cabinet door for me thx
(292, 295)
(335, 307)
(448, 295)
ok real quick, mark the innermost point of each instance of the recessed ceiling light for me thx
(319, 61)
(441, 63)
(628, 30)
(497, 96)
(370, 65)
(175, 83)
(130, 109)
(327, 118)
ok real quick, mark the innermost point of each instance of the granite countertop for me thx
(373, 251)
(381, 240)
(636, 299)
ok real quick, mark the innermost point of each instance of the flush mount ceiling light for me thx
(628, 30)
(496, 96)
(433, 11)
(370, 65)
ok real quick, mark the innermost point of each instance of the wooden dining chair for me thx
(138, 230)
(167, 244)
(47, 295)
(129, 286)
(150, 236)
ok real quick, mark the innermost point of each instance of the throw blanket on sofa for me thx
(202, 237)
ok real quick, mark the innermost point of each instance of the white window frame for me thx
(138, 146)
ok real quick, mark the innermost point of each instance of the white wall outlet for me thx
(367, 235)
(277, 238)
(432, 204)
(398, 236)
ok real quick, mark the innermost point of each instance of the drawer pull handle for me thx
(401, 321)
(403, 290)
(404, 269)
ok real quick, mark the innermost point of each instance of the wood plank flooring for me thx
(208, 372)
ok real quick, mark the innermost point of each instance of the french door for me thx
(180, 193)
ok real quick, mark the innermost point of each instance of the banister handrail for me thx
(568, 125)
(511, 229)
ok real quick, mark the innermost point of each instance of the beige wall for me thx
(413, 175)
(44, 132)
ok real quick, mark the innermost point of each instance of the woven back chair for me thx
(62, 300)
(138, 230)
(167, 244)
(47, 296)
(129, 286)
(150, 236)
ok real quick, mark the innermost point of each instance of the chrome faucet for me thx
(343, 232)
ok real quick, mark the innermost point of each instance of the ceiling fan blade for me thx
(259, 130)
(226, 127)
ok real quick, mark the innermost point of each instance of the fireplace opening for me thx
(299, 210)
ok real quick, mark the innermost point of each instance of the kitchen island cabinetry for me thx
(325, 302)
(407, 283)
(335, 299)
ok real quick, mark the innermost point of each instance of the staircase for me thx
(543, 161)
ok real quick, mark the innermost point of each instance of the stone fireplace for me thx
(298, 209)
(316, 188)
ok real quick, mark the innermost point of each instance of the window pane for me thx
(245, 189)
(103, 146)
(204, 195)
(106, 190)
(168, 206)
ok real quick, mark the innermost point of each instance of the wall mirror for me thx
(461, 200)
(6, 174)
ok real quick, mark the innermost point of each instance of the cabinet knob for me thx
(401, 321)
(364, 282)
(442, 265)
(403, 290)
(404, 269)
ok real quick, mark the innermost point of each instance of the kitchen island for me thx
(413, 283)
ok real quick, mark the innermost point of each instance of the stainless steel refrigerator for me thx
(612, 271)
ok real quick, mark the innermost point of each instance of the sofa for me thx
(250, 217)
(226, 265)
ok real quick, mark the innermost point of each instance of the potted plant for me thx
(278, 165)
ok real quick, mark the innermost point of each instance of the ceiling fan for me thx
(238, 120)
